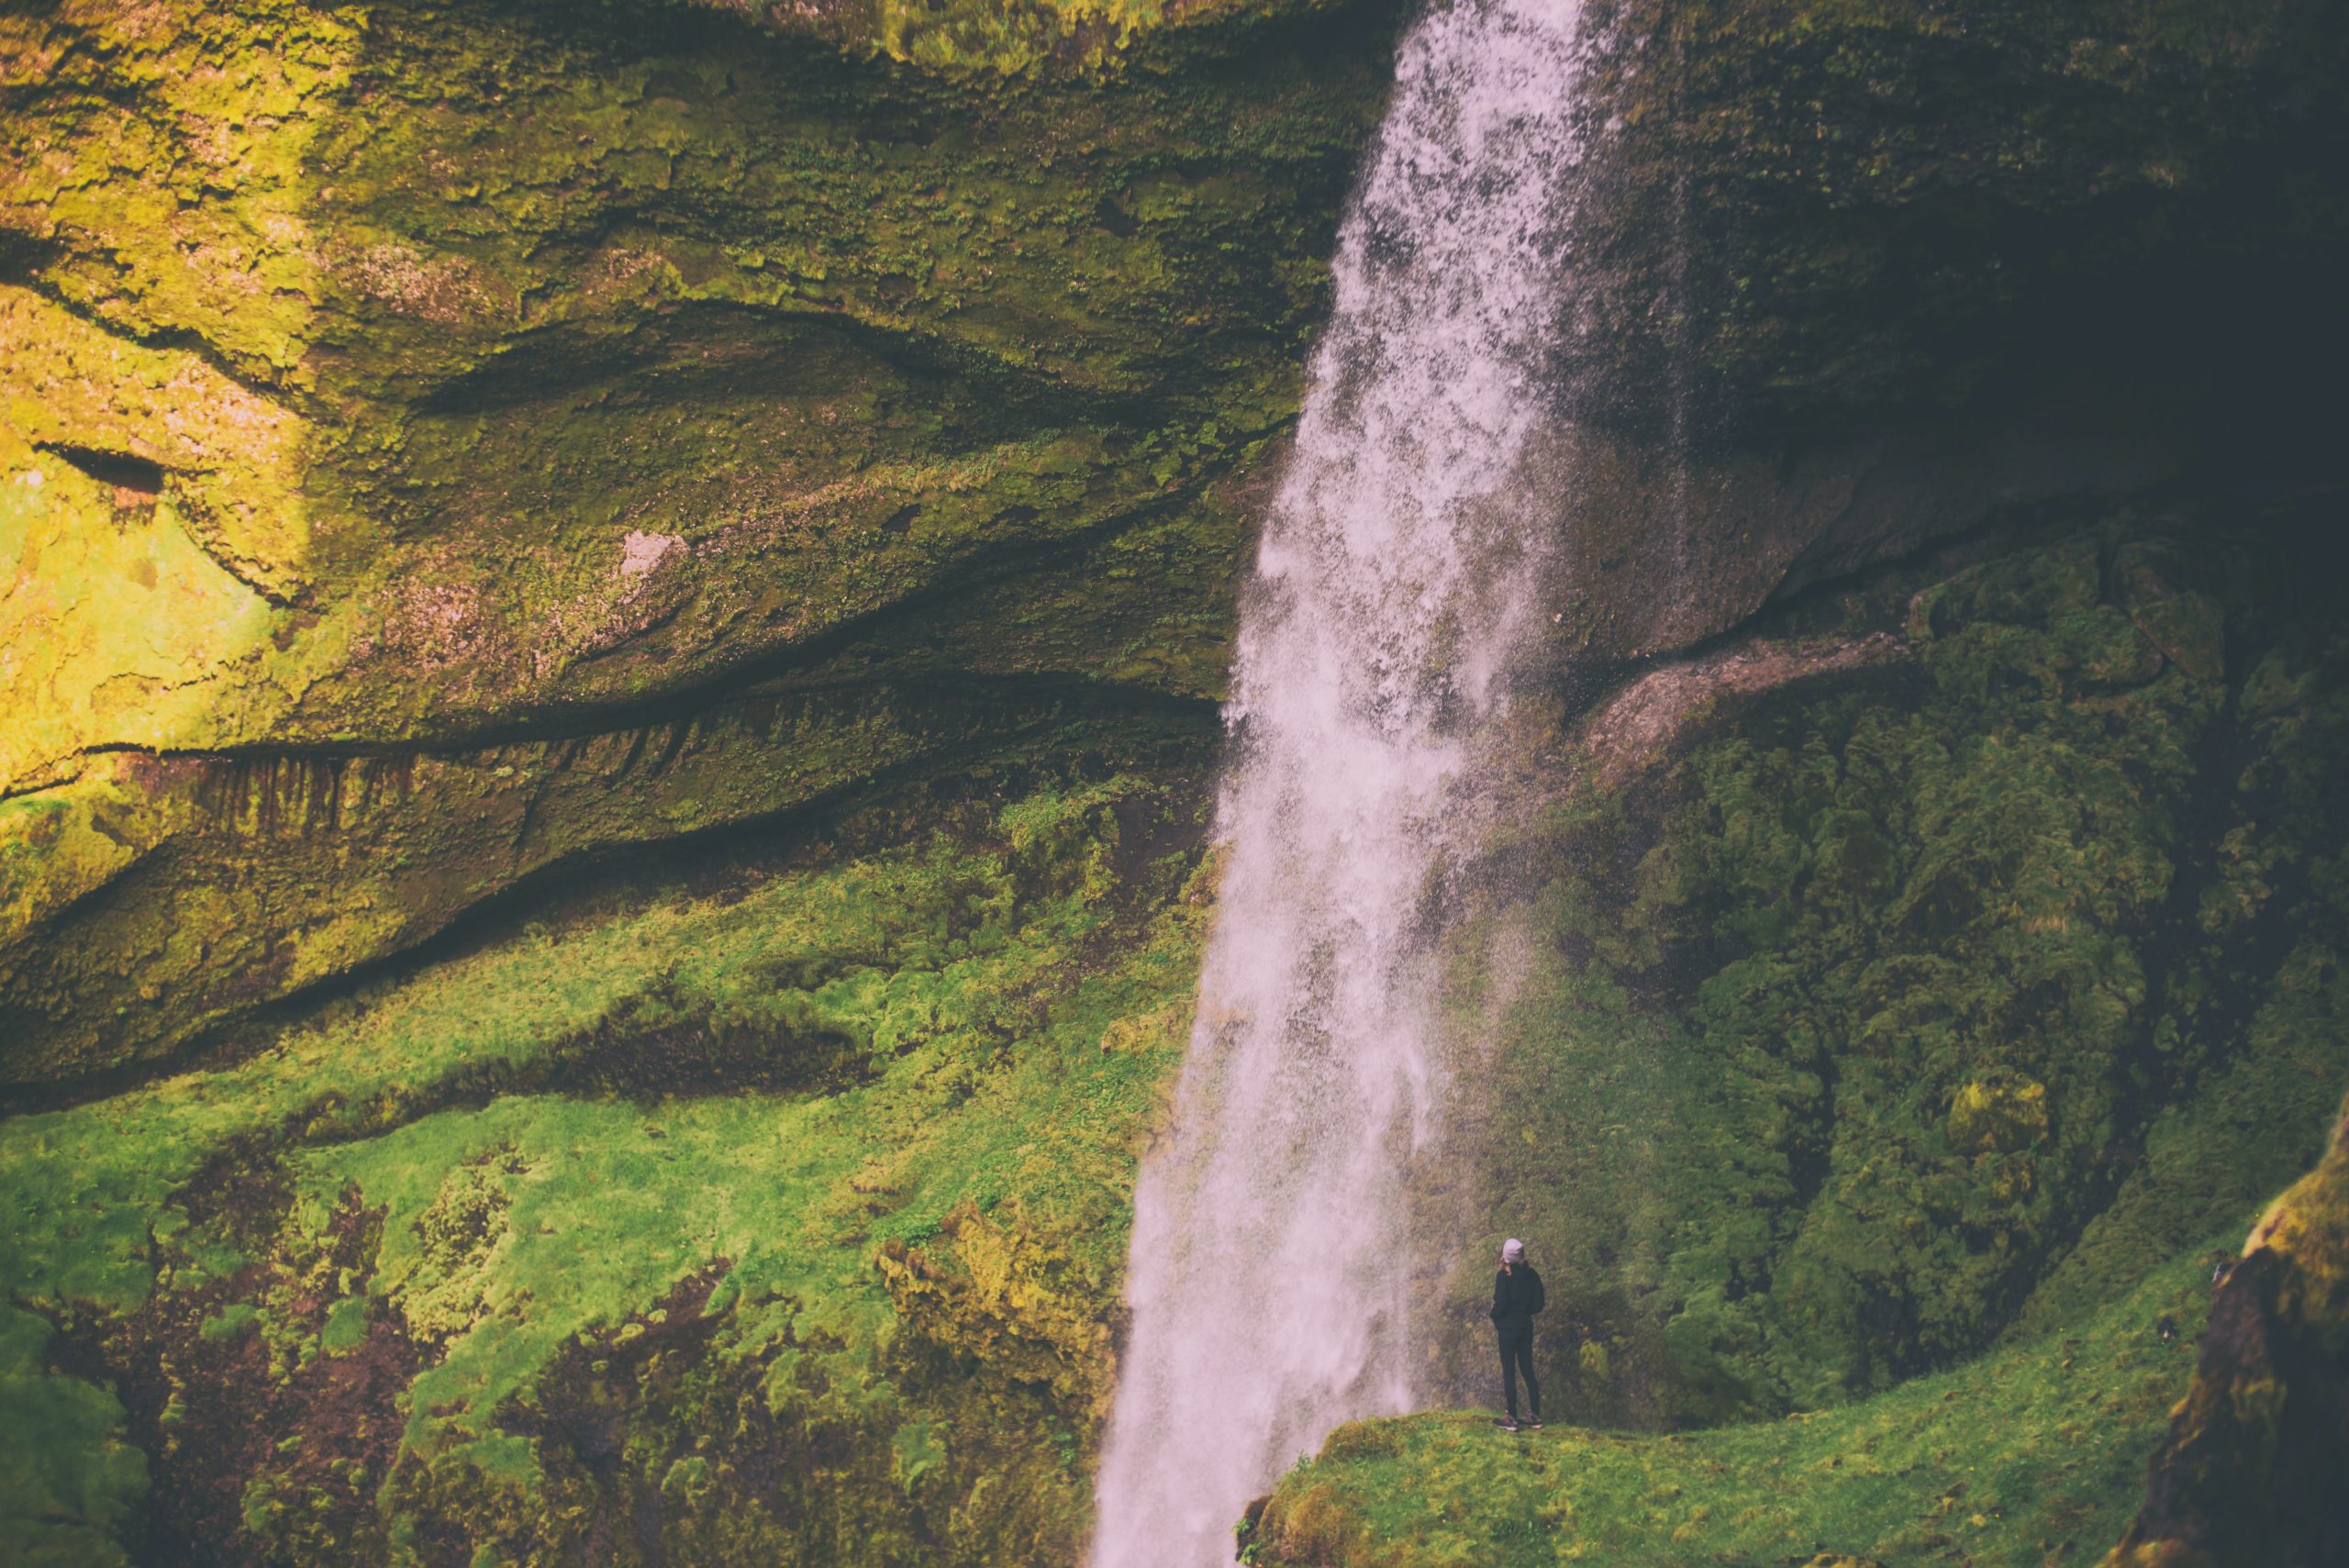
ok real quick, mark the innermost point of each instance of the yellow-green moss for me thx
(527, 374)
(710, 1136)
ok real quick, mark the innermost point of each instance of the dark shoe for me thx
(1506, 1423)
(1534, 1425)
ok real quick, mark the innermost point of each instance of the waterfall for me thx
(1398, 588)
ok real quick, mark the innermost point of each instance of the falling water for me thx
(1397, 589)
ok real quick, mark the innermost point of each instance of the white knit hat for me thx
(1512, 1250)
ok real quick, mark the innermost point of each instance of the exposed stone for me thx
(1665, 547)
(2249, 1473)
(506, 388)
(1639, 724)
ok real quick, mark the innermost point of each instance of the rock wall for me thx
(387, 384)
(448, 418)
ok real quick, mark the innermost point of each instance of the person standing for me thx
(1517, 1299)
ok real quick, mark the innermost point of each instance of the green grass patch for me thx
(976, 1021)
(2034, 1454)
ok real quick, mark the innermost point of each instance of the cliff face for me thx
(444, 444)
(1851, 276)
(610, 629)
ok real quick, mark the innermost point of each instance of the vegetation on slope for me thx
(2032, 1455)
(1921, 1004)
(771, 1214)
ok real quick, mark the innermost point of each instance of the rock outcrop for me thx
(420, 426)
(2249, 1472)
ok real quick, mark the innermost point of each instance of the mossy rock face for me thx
(396, 382)
(408, 410)
(1876, 1044)
(1808, 216)
(1916, 974)
(770, 1208)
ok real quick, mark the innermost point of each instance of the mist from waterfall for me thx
(1397, 589)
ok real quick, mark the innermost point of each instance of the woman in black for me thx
(1517, 1297)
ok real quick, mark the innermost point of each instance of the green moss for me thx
(528, 371)
(2038, 1448)
(1926, 1004)
(235, 1318)
(707, 1139)
(72, 1487)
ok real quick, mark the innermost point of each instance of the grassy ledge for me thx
(440, 1275)
(2034, 1455)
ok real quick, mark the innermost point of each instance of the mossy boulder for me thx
(2250, 1470)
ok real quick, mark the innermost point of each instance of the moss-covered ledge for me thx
(761, 1204)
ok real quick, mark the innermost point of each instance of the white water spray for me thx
(1398, 585)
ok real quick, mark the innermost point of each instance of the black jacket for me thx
(1517, 1297)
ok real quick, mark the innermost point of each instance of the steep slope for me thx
(768, 1211)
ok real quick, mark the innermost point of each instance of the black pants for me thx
(1517, 1354)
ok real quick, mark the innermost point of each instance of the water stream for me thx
(1398, 590)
